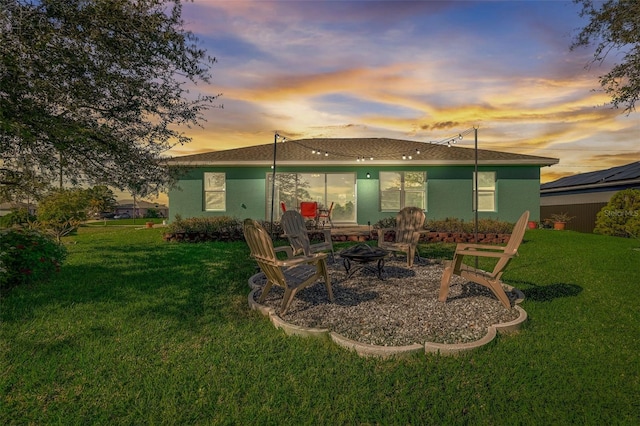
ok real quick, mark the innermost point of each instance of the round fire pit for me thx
(363, 254)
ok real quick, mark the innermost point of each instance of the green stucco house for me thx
(366, 179)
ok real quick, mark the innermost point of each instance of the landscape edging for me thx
(367, 350)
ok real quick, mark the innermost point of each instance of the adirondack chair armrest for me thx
(326, 233)
(286, 249)
(415, 237)
(483, 253)
(300, 260)
(464, 247)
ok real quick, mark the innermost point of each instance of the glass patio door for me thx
(323, 188)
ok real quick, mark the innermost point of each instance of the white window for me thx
(486, 191)
(402, 189)
(215, 196)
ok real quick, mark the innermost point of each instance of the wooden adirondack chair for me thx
(489, 279)
(294, 229)
(292, 274)
(409, 223)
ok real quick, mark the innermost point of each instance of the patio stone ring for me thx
(396, 316)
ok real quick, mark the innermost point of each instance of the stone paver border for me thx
(367, 350)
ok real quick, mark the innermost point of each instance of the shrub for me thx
(493, 226)
(455, 225)
(16, 217)
(152, 214)
(62, 212)
(219, 228)
(449, 224)
(387, 222)
(27, 256)
(621, 216)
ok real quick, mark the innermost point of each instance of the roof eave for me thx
(263, 163)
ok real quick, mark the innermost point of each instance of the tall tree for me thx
(101, 199)
(98, 89)
(614, 26)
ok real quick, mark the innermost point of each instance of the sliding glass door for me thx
(323, 188)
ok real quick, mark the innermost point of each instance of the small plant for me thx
(561, 217)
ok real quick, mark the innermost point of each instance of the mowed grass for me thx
(138, 331)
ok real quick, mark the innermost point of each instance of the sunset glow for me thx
(410, 70)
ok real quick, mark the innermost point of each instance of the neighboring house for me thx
(367, 179)
(584, 195)
(140, 209)
(6, 208)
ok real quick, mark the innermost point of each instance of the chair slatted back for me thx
(408, 221)
(511, 249)
(294, 228)
(262, 251)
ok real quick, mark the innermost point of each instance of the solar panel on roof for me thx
(614, 174)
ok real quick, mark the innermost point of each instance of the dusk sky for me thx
(417, 70)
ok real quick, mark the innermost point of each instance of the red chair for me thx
(283, 207)
(309, 210)
(325, 213)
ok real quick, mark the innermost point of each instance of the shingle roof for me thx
(142, 204)
(340, 151)
(627, 172)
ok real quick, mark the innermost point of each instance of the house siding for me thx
(449, 191)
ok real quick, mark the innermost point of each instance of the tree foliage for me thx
(614, 26)
(100, 199)
(63, 211)
(97, 89)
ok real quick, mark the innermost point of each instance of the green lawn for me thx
(138, 331)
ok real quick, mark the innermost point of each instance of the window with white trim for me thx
(215, 192)
(486, 191)
(402, 189)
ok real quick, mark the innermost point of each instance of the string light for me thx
(449, 141)
(454, 139)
